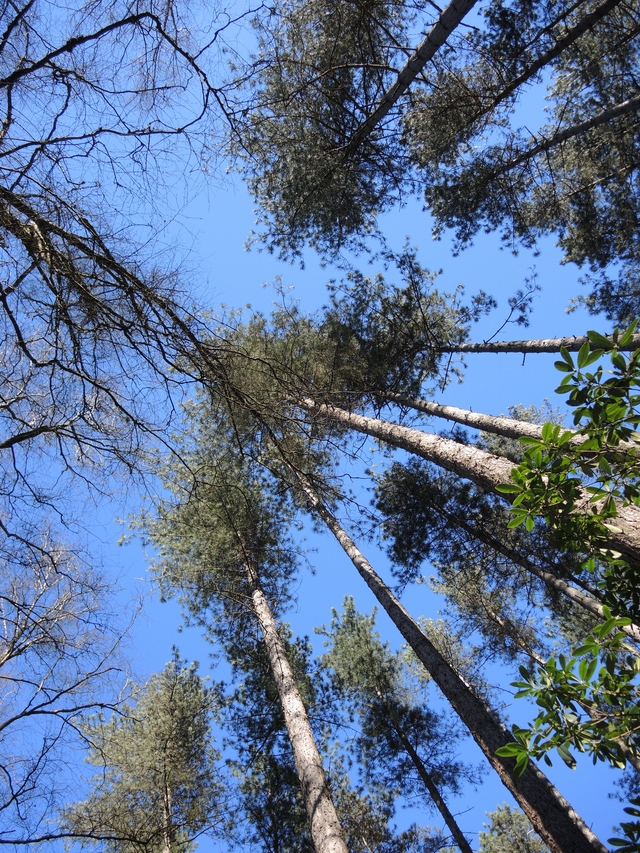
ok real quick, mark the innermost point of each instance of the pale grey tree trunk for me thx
(326, 831)
(477, 465)
(435, 38)
(495, 424)
(499, 425)
(560, 827)
(571, 344)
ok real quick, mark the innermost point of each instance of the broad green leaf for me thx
(508, 489)
(599, 340)
(583, 354)
(567, 357)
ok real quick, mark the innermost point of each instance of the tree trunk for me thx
(499, 425)
(326, 831)
(560, 827)
(574, 33)
(572, 344)
(435, 38)
(495, 424)
(560, 136)
(473, 464)
(585, 599)
(430, 785)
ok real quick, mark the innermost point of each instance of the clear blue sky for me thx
(213, 230)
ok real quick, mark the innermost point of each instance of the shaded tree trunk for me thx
(588, 598)
(429, 784)
(326, 831)
(550, 814)
(574, 33)
(473, 464)
(435, 38)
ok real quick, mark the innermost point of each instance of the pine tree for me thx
(159, 786)
(401, 739)
(508, 831)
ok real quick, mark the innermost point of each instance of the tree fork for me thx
(550, 814)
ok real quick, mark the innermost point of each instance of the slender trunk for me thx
(574, 33)
(571, 344)
(473, 464)
(431, 787)
(560, 827)
(326, 831)
(435, 38)
(499, 425)
(495, 424)
(167, 823)
(549, 142)
(585, 599)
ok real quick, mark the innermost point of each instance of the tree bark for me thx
(560, 827)
(495, 424)
(585, 600)
(572, 344)
(326, 831)
(499, 425)
(574, 33)
(435, 38)
(432, 788)
(549, 142)
(473, 464)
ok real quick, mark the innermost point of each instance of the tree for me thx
(358, 110)
(509, 830)
(401, 739)
(159, 786)
(232, 556)
(60, 660)
(298, 444)
(96, 101)
(548, 811)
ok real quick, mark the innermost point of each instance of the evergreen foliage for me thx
(326, 103)
(159, 786)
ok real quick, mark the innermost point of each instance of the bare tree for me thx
(59, 660)
(98, 102)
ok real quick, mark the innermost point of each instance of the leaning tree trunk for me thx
(326, 831)
(495, 424)
(428, 782)
(473, 464)
(571, 344)
(584, 599)
(448, 20)
(560, 827)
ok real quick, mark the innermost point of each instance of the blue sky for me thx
(212, 231)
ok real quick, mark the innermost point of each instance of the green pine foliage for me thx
(509, 831)
(159, 784)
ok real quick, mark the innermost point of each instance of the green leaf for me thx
(508, 489)
(583, 354)
(567, 357)
(628, 334)
(509, 750)
(600, 340)
(566, 756)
